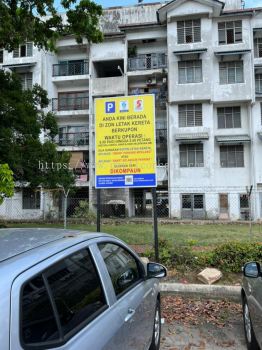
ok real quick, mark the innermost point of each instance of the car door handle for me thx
(130, 314)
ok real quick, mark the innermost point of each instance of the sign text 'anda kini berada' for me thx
(125, 142)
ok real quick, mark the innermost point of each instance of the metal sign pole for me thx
(98, 214)
(155, 225)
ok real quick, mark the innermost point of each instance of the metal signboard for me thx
(125, 142)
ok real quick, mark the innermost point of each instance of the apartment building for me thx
(203, 61)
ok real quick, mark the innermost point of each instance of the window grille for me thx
(190, 115)
(232, 156)
(231, 72)
(229, 117)
(191, 155)
(190, 72)
(189, 31)
(230, 32)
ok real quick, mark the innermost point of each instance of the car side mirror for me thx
(155, 270)
(252, 270)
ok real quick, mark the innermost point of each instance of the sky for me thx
(108, 3)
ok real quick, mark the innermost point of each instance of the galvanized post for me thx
(98, 213)
(65, 210)
(156, 243)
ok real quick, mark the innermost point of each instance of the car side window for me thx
(123, 267)
(61, 300)
(38, 319)
(76, 289)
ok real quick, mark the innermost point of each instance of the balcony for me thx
(161, 100)
(161, 136)
(147, 62)
(70, 103)
(109, 86)
(73, 139)
(71, 68)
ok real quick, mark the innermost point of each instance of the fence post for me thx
(250, 212)
(98, 213)
(44, 204)
(65, 207)
(155, 224)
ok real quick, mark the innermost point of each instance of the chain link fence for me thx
(188, 204)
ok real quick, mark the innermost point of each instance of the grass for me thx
(195, 235)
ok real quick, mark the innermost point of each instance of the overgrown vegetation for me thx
(84, 212)
(229, 257)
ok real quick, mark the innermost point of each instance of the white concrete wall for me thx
(12, 208)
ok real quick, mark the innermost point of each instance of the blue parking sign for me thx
(110, 107)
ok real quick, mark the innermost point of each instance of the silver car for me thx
(63, 289)
(252, 305)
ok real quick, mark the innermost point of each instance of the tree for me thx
(22, 116)
(38, 21)
(22, 120)
(6, 182)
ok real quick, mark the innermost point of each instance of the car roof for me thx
(16, 241)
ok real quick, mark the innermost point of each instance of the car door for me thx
(255, 305)
(62, 303)
(135, 296)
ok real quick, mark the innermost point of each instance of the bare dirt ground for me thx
(193, 324)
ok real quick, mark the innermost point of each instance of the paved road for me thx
(177, 336)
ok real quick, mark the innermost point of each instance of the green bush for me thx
(164, 252)
(174, 256)
(83, 212)
(230, 257)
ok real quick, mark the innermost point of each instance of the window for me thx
(190, 72)
(73, 100)
(31, 199)
(122, 267)
(244, 203)
(258, 47)
(190, 115)
(230, 32)
(258, 79)
(191, 155)
(232, 156)
(26, 80)
(193, 206)
(77, 297)
(25, 50)
(38, 320)
(189, 31)
(229, 117)
(76, 290)
(192, 201)
(1, 56)
(231, 72)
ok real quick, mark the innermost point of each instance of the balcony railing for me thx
(161, 136)
(70, 103)
(70, 68)
(73, 139)
(146, 62)
(161, 99)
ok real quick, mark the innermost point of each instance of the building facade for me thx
(203, 61)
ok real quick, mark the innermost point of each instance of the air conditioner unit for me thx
(151, 81)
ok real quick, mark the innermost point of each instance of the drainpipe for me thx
(251, 126)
